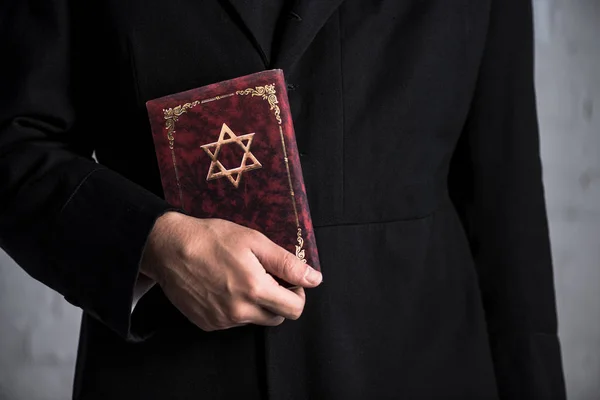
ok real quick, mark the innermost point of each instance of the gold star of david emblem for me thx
(218, 170)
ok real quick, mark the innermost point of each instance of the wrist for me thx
(152, 258)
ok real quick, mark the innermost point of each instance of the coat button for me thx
(293, 15)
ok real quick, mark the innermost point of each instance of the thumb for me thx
(283, 264)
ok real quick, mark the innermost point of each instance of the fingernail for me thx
(313, 276)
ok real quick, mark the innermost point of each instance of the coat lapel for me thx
(249, 15)
(298, 28)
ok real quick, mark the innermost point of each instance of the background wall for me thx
(568, 89)
(39, 330)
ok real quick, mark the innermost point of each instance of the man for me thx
(417, 127)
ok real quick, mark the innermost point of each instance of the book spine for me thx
(306, 247)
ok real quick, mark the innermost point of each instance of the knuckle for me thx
(236, 314)
(296, 312)
(187, 251)
(233, 289)
(287, 264)
(255, 291)
(254, 235)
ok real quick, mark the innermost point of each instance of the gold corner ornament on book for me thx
(228, 150)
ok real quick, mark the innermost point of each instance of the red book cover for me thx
(228, 150)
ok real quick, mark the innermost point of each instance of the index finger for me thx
(281, 301)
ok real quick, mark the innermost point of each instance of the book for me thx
(228, 150)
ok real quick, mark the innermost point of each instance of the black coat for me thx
(416, 122)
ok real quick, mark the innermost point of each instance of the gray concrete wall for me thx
(568, 89)
(38, 329)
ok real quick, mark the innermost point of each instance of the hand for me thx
(218, 273)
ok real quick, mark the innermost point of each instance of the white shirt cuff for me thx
(142, 286)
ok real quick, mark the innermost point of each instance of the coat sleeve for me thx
(496, 184)
(69, 222)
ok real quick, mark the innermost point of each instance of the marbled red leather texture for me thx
(263, 199)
